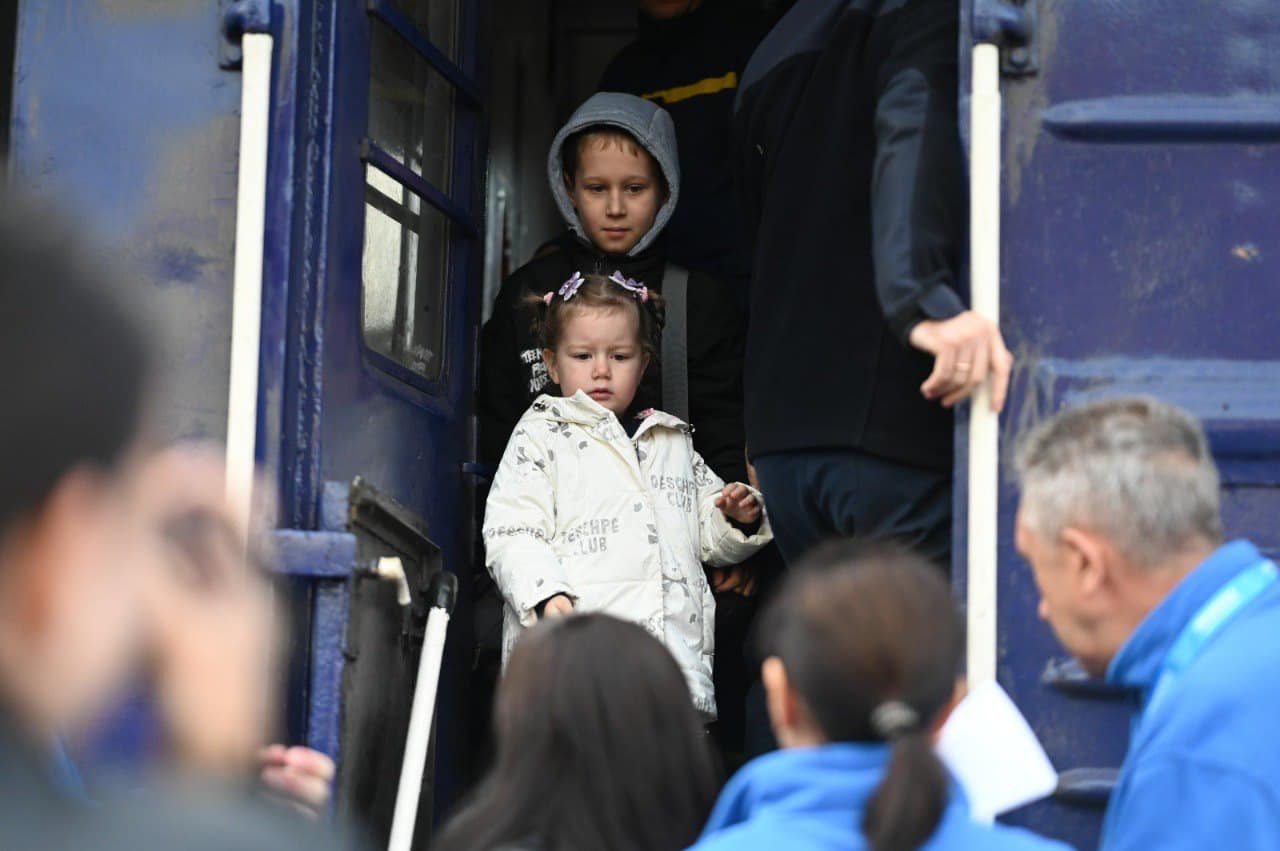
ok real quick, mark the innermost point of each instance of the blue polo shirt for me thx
(812, 799)
(1203, 771)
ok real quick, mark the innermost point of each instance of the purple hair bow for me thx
(631, 285)
(568, 289)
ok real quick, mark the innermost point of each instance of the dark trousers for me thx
(818, 495)
(815, 496)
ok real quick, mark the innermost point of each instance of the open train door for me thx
(1139, 253)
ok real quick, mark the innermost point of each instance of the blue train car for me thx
(403, 177)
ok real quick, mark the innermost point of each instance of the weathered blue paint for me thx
(148, 162)
(318, 555)
(1147, 266)
(1167, 118)
(329, 631)
(299, 310)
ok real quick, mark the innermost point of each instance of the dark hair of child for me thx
(597, 746)
(858, 628)
(603, 136)
(596, 293)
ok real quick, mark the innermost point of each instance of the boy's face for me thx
(617, 192)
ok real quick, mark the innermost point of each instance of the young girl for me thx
(597, 508)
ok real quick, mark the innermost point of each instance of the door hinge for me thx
(239, 17)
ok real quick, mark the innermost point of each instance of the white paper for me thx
(992, 751)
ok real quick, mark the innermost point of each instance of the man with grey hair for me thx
(1119, 520)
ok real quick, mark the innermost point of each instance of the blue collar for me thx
(840, 776)
(1140, 660)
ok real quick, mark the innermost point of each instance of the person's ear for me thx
(1086, 562)
(784, 709)
(549, 360)
(45, 547)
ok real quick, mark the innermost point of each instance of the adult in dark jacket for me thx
(512, 374)
(688, 57)
(850, 168)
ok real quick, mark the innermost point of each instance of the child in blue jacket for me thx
(864, 651)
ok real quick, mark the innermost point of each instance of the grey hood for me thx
(654, 130)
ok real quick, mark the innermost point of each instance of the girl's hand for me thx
(732, 579)
(737, 503)
(557, 606)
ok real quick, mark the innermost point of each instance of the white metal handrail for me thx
(984, 426)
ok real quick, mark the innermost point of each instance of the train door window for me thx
(409, 151)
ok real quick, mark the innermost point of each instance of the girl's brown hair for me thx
(596, 292)
(598, 746)
(871, 639)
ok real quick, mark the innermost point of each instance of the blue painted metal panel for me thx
(405, 437)
(121, 111)
(1141, 243)
(1167, 118)
(320, 565)
(329, 630)
(319, 555)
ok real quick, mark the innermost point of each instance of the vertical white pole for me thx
(246, 315)
(419, 737)
(984, 434)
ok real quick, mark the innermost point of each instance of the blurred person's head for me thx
(663, 10)
(75, 371)
(1119, 502)
(597, 746)
(864, 645)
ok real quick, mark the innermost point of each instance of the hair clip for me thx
(570, 287)
(631, 285)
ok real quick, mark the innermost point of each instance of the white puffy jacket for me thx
(619, 524)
